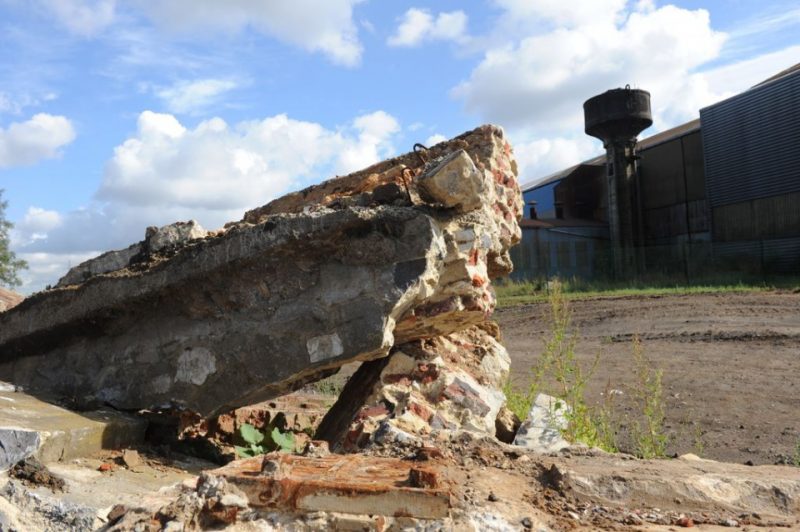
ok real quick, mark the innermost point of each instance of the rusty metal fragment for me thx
(354, 484)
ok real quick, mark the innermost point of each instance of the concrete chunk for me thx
(297, 289)
(17, 444)
(541, 431)
(30, 427)
(454, 182)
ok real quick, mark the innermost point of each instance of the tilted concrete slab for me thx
(339, 272)
(30, 427)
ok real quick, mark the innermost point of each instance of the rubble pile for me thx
(390, 267)
(423, 390)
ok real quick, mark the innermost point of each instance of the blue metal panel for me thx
(545, 201)
(751, 143)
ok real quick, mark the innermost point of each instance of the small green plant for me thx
(699, 446)
(607, 421)
(559, 364)
(264, 442)
(560, 361)
(516, 401)
(796, 457)
(649, 437)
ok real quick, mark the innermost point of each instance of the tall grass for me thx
(649, 436)
(510, 293)
(559, 365)
(558, 372)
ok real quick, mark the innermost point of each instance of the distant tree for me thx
(10, 265)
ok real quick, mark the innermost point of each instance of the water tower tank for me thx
(618, 114)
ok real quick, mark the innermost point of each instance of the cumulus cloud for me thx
(541, 156)
(541, 80)
(41, 137)
(212, 172)
(85, 18)
(47, 268)
(194, 96)
(419, 25)
(216, 166)
(327, 27)
(38, 220)
(434, 139)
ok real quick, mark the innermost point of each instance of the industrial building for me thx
(717, 195)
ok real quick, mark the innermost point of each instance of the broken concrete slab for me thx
(89, 495)
(688, 484)
(156, 239)
(31, 427)
(279, 299)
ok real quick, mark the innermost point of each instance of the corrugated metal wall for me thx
(752, 163)
(751, 143)
(563, 252)
(671, 179)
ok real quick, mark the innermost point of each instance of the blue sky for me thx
(116, 115)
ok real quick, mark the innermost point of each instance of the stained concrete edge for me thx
(32, 427)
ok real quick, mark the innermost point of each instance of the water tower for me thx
(616, 117)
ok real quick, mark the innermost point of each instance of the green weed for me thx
(699, 446)
(559, 373)
(518, 402)
(558, 364)
(649, 437)
(257, 442)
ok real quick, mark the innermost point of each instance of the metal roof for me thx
(560, 222)
(600, 160)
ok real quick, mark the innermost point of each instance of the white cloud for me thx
(41, 137)
(212, 172)
(47, 268)
(327, 27)
(82, 17)
(542, 156)
(562, 13)
(540, 81)
(736, 77)
(215, 166)
(434, 139)
(38, 220)
(775, 19)
(194, 96)
(375, 130)
(419, 25)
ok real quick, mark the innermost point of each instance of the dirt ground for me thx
(731, 365)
